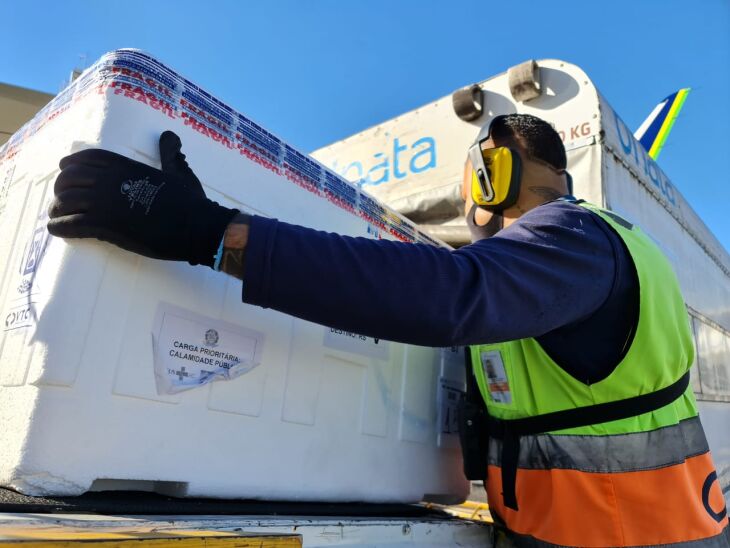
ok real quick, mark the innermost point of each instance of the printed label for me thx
(5, 180)
(19, 316)
(356, 344)
(453, 357)
(35, 249)
(449, 396)
(496, 376)
(25, 299)
(191, 350)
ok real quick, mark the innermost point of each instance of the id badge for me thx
(496, 376)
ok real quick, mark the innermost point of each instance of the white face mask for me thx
(482, 232)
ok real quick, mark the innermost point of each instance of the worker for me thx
(587, 432)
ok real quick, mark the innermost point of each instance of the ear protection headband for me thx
(497, 174)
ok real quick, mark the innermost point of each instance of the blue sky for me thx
(317, 71)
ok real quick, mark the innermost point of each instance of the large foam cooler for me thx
(325, 416)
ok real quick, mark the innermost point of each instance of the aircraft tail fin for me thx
(654, 131)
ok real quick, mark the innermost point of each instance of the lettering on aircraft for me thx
(396, 162)
(575, 132)
(639, 157)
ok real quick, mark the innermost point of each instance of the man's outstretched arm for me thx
(521, 283)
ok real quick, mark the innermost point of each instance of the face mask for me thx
(482, 232)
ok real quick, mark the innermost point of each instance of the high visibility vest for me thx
(630, 467)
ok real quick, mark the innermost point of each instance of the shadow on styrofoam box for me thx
(64, 294)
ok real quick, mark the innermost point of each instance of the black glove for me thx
(159, 214)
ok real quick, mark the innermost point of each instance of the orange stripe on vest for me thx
(646, 507)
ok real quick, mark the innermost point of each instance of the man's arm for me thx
(521, 283)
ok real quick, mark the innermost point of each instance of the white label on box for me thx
(191, 350)
(453, 357)
(449, 396)
(347, 341)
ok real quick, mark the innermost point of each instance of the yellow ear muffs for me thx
(495, 177)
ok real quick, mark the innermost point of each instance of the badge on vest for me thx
(496, 376)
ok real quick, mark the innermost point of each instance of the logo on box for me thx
(211, 337)
(35, 251)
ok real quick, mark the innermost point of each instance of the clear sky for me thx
(317, 71)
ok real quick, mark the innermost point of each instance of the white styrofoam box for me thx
(325, 416)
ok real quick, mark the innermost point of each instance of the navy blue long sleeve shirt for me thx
(559, 274)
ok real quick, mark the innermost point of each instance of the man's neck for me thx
(535, 195)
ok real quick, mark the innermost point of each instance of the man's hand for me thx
(159, 214)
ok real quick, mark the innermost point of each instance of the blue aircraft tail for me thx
(654, 131)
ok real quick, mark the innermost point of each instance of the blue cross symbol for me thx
(182, 373)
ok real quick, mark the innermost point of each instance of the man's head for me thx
(533, 135)
(543, 162)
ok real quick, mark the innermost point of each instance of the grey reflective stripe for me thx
(605, 454)
(508, 539)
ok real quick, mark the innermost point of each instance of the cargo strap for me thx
(509, 431)
(473, 433)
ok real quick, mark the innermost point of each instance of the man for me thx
(572, 308)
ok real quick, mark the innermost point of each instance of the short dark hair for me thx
(535, 134)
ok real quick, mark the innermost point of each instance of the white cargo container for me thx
(415, 162)
(319, 414)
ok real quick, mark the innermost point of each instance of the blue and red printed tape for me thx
(136, 75)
